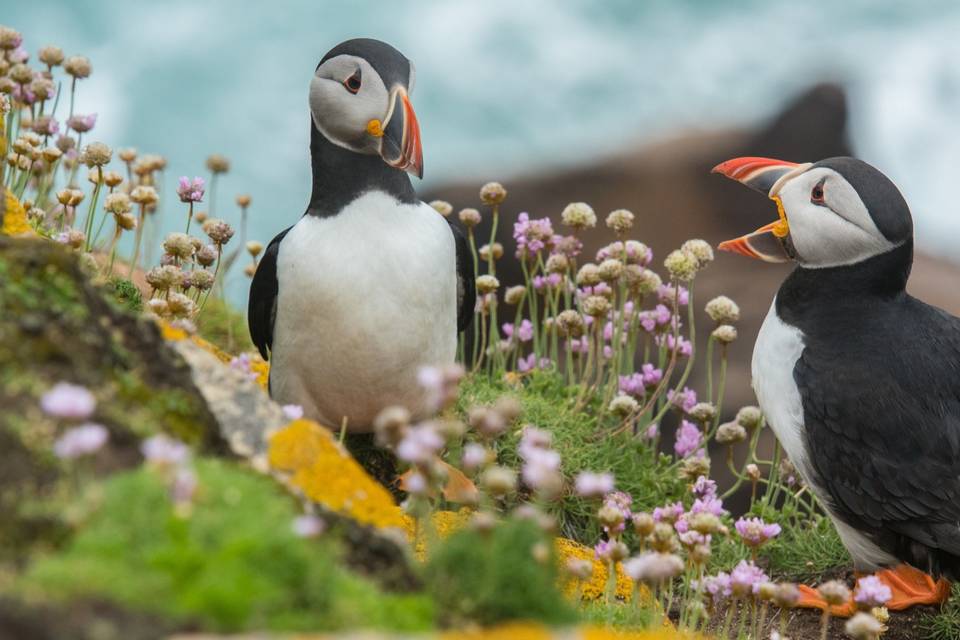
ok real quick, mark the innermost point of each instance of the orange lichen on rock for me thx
(14, 216)
(258, 365)
(327, 474)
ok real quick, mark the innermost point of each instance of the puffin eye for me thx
(816, 194)
(353, 82)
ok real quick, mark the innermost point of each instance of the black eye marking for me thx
(816, 194)
(353, 82)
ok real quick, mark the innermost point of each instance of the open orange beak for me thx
(400, 143)
(767, 176)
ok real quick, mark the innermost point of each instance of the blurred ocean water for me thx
(509, 86)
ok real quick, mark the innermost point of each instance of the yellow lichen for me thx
(595, 586)
(14, 216)
(258, 365)
(327, 474)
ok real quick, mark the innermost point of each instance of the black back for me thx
(879, 380)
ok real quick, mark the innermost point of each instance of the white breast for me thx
(777, 350)
(365, 298)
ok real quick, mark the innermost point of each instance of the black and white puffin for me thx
(371, 283)
(859, 380)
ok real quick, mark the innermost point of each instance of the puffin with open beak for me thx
(858, 379)
(371, 284)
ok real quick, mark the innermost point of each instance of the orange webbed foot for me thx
(910, 587)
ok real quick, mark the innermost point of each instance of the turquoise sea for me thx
(512, 86)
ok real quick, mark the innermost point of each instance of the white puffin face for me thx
(346, 93)
(829, 224)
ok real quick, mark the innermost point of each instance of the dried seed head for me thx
(579, 568)
(200, 216)
(218, 231)
(694, 467)
(834, 592)
(144, 195)
(643, 524)
(557, 263)
(514, 295)
(21, 74)
(129, 154)
(159, 307)
(243, 200)
(442, 207)
(178, 245)
(610, 270)
(164, 278)
(499, 481)
(389, 425)
(723, 310)
(126, 221)
(682, 265)
(74, 238)
(70, 197)
(509, 408)
(596, 306)
(588, 275)
(43, 89)
(51, 56)
(10, 38)
(469, 217)
(624, 405)
(750, 417)
(181, 306)
(51, 154)
(724, 334)
(492, 193)
(206, 256)
(570, 324)
(864, 626)
(705, 523)
(701, 249)
(703, 412)
(78, 66)
(201, 279)
(752, 471)
(254, 248)
(112, 179)
(217, 163)
(250, 270)
(486, 421)
(767, 591)
(484, 251)
(730, 433)
(117, 203)
(65, 143)
(620, 220)
(579, 216)
(483, 522)
(487, 284)
(786, 596)
(663, 538)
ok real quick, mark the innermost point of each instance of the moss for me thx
(490, 578)
(232, 562)
(126, 294)
(224, 326)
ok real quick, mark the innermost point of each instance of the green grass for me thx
(233, 563)
(944, 625)
(492, 577)
(548, 404)
(224, 326)
(124, 293)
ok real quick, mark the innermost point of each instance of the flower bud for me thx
(834, 592)
(484, 252)
(499, 481)
(78, 66)
(492, 193)
(254, 248)
(487, 284)
(682, 265)
(749, 417)
(624, 405)
(243, 200)
(217, 163)
(579, 216)
(620, 220)
(469, 217)
(514, 295)
(723, 310)
(570, 324)
(730, 433)
(725, 334)
(557, 263)
(51, 56)
(701, 249)
(643, 524)
(596, 306)
(178, 245)
(442, 207)
(703, 412)
(610, 270)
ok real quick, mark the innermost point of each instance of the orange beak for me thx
(400, 143)
(764, 175)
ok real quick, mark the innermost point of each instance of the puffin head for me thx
(835, 212)
(359, 100)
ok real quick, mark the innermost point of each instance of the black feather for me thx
(262, 306)
(466, 285)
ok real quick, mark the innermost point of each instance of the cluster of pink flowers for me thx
(420, 444)
(172, 457)
(755, 532)
(689, 440)
(593, 485)
(68, 401)
(530, 362)
(523, 333)
(190, 190)
(80, 441)
(532, 235)
(82, 123)
(242, 363)
(636, 384)
(541, 464)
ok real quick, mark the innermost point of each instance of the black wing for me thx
(262, 306)
(882, 419)
(466, 286)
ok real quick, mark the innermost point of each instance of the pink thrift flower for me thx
(184, 486)
(704, 487)
(746, 578)
(871, 592)
(684, 400)
(82, 123)
(669, 513)
(754, 531)
(689, 439)
(292, 411)
(593, 485)
(164, 450)
(419, 444)
(80, 441)
(308, 526)
(69, 401)
(190, 190)
(474, 455)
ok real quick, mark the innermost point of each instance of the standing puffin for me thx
(859, 380)
(371, 283)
